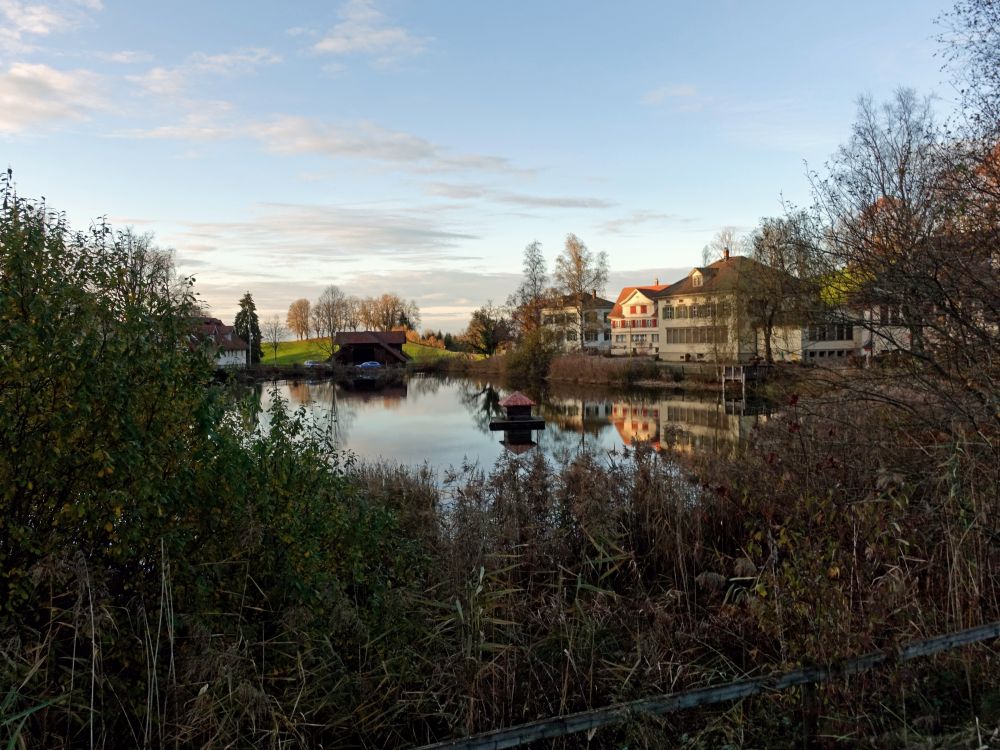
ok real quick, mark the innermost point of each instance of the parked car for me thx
(370, 365)
(311, 363)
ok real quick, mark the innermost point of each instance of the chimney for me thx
(725, 253)
(593, 293)
(656, 281)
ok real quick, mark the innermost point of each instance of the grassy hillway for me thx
(297, 352)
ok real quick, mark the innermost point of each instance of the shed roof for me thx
(516, 399)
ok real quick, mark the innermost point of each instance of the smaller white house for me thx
(220, 342)
(562, 320)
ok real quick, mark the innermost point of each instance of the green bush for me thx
(168, 572)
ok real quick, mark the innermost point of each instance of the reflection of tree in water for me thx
(425, 385)
(330, 410)
(483, 402)
(299, 393)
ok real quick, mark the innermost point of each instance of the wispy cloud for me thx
(481, 192)
(637, 219)
(365, 30)
(300, 233)
(367, 140)
(171, 81)
(125, 57)
(683, 96)
(37, 95)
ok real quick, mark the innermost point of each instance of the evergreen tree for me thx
(248, 327)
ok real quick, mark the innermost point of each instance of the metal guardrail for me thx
(584, 721)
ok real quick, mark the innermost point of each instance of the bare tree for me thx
(274, 333)
(298, 318)
(580, 275)
(779, 286)
(911, 240)
(727, 238)
(387, 311)
(528, 299)
(328, 316)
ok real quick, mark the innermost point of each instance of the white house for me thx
(561, 318)
(219, 341)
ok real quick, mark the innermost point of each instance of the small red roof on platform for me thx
(516, 399)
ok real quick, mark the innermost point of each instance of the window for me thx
(642, 309)
(638, 338)
(571, 335)
(654, 338)
(631, 310)
(668, 312)
(682, 311)
(619, 338)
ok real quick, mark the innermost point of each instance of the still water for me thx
(444, 422)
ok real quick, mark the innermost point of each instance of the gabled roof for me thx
(221, 336)
(721, 276)
(391, 341)
(590, 301)
(650, 291)
(391, 338)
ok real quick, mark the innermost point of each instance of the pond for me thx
(444, 422)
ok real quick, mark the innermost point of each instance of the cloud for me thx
(34, 94)
(366, 140)
(472, 192)
(125, 57)
(20, 19)
(364, 30)
(638, 218)
(296, 233)
(684, 96)
(164, 81)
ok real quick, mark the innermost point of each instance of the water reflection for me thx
(445, 422)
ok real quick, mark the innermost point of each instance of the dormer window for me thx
(697, 279)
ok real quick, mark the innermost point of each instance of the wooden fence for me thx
(807, 677)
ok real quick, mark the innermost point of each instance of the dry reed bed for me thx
(527, 590)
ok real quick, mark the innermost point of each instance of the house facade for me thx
(219, 341)
(634, 328)
(561, 319)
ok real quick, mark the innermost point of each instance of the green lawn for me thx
(297, 352)
(421, 353)
(294, 352)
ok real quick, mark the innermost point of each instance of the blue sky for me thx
(417, 146)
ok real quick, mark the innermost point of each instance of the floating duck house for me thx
(519, 417)
(518, 423)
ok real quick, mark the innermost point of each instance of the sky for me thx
(417, 146)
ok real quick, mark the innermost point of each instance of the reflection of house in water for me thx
(699, 425)
(637, 422)
(577, 414)
(686, 424)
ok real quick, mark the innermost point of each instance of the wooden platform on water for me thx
(497, 425)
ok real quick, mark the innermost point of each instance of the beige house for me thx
(701, 318)
(634, 328)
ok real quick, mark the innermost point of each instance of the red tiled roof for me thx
(653, 290)
(516, 399)
(223, 337)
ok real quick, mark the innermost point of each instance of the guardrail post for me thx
(810, 715)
